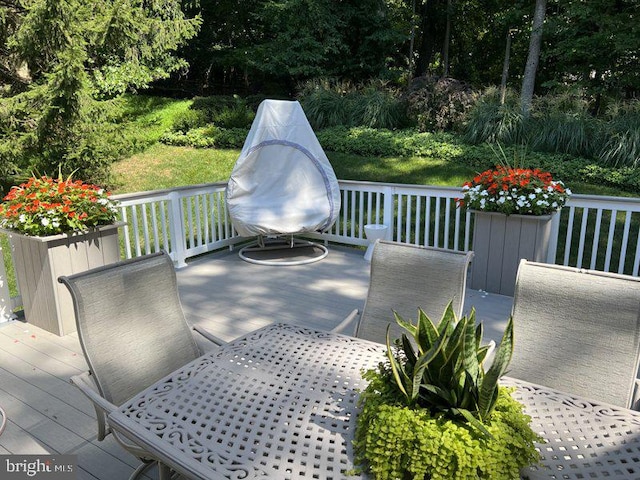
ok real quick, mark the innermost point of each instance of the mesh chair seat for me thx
(577, 331)
(407, 277)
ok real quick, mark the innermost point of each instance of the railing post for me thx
(176, 227)
(553, 238)
(388, 215)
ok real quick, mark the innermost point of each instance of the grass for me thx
(163, 166)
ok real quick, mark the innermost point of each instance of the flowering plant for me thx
(46, 206)
(522, 191)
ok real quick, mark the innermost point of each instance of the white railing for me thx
(593, 232)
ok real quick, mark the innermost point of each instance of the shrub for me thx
(435, 406)
(207, 137)
(489, 121)
(236, 116)
(621, 145)
(330, 103)
(559, 124)
(189, 119)
(440, 104)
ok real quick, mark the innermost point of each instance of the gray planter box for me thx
(499, 242)
(39, 261)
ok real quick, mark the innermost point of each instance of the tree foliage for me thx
(61, 56)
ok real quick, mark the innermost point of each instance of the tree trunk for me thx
(447, 39)
(413, 35)
(528, 82)
(505, 69)
(428, 27)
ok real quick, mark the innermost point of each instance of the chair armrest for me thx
(101, 405)
(635, 400)
(208, 335)
(348, 325)
(86, 385)
(3, 420)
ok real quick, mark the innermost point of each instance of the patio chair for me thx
(132, 331)
(407, 277)
(282, 185)
(577, 331)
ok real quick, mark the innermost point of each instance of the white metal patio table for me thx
(281, 403)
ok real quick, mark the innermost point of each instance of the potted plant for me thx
(431, 411)
(514, 208)
(57, 227)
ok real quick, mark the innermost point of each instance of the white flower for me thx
(532, 196)
(567, 191)
(22, 218)
(538, 190)
(45, 222)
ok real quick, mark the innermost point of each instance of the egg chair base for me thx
(281, 251)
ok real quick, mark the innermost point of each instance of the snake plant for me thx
(441, 368)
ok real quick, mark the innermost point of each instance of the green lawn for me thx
(163, 166)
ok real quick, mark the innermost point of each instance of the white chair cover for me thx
(282, 183)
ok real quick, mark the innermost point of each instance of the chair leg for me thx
(164, 472)
(142, 469)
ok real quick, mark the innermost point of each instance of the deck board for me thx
(218, 291)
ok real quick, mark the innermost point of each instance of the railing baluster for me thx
(612, 228)
(447, 221)
(583, 231)
(399, 220)
(353, 214)
(145, 229)
(567, 243)
(436, 229)
(408, 216)
(154, 227)
(427, 221)
(625, 241)
(636, 261)
(418, 218)
(596, 239)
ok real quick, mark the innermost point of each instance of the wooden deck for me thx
(218, 291)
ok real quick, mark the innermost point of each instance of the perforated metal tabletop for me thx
(280, 403)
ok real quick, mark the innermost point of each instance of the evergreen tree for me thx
(61, 56)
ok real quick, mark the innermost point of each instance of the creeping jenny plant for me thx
(432, 412)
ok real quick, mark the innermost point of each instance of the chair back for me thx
(407, 277)
(577, 331)
(130, 323)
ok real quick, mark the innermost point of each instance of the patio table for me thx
(281, 403)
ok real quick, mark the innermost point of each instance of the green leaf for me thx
(488, 390)
(399, 374)
(422, 364)
(473, 421)
(470, 354)
(408, 326)
(427, 333)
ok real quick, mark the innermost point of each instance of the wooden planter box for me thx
(39, 261)
(499, 242)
